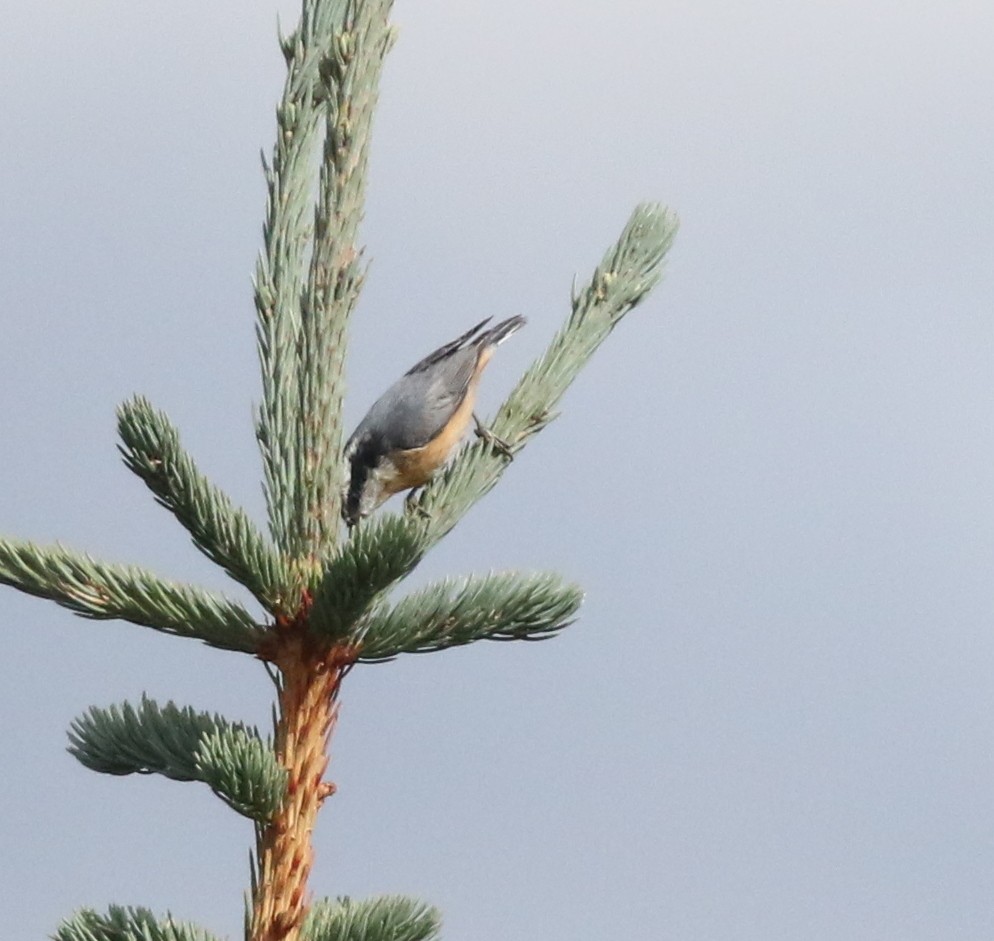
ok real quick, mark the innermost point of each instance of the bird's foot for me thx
(498, 444)
(413, 507)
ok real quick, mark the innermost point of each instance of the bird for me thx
(417, 424)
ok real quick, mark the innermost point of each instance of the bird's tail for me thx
(498, 334)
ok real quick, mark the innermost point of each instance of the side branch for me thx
(627, 273)
(127, 924)
(382, 918)
(101, 591)
(151, 448)
(185, 745)
(499, 606)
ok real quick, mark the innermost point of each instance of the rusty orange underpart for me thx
(415, 467)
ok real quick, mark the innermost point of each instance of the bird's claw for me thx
(497, 443)
(412, 507)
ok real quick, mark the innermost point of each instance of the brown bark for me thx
(307, 712)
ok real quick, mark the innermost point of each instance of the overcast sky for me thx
(775, 718)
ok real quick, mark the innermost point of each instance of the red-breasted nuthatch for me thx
(416, 425)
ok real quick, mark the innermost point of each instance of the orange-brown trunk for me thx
(308, 710)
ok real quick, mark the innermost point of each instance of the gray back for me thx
(418, 405)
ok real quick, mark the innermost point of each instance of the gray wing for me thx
(470, 336)
(418, 405)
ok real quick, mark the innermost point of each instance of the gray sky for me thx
(775, 718)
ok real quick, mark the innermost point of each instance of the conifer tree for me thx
(325, 599)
